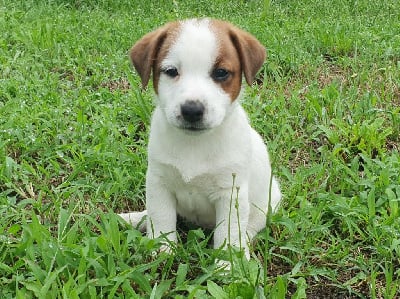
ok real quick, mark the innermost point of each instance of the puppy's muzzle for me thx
(192, 112)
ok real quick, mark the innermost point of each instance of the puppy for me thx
(205, 163)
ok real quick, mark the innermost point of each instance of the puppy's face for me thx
(197, 69)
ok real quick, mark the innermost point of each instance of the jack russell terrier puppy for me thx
(205, 162)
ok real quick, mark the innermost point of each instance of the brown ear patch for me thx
(250, 51)
(228, 59)
(147, 53)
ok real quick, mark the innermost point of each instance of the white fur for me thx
(194, 64)
(191, 173)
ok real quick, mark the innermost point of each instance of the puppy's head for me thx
(197, 68)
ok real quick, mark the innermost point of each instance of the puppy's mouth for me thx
(191, 117)
(194, 128)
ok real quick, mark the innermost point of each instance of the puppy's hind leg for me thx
(136, 219)
(257, 218)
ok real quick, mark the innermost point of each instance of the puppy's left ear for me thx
(144, 53)
(251, 52)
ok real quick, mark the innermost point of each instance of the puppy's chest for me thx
(195, 199)
(195, 204)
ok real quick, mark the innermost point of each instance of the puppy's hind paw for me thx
(136, 219)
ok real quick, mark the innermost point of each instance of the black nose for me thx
(192, 111)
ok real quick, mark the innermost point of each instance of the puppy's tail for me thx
(136, 219)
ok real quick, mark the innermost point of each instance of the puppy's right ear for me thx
(144, 53)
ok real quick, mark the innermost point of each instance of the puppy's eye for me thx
(171, 72)
(220, 75)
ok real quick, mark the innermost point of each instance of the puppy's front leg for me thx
(161, 209)
(232, 216)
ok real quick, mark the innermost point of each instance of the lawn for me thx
(74, 125)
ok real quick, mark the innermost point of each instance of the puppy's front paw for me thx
(223, 265)
(167, 248)
(164, 248)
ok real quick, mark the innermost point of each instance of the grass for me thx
(73, 133)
